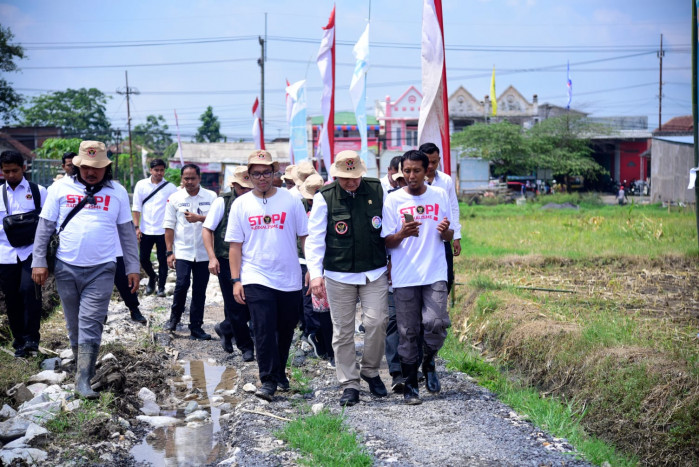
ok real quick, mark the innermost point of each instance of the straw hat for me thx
(289, 173)
(312, 184)
(347, 164)
(262, 157)
(92, 154)
(303, 170)
(241, 177)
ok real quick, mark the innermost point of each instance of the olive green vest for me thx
(353, 240)
(307, 206)
(220, 245)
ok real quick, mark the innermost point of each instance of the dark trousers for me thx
(274, 316)
(23, 308)
(449, 253)
(392, 339)
(236, 315)
(309, 321)
(147, 242)
(122, 284)
(199, 272)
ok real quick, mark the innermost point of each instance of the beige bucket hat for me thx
(313, 183)
(347, 164)
(262, 157)
(241, 177)
(92, 154)
(303, 170)
(289, 173)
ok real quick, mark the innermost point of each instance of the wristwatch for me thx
(235, 279)
(168, 253)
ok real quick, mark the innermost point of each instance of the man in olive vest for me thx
(346, 260)
(235, 324)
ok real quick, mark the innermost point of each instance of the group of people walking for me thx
(309, 253)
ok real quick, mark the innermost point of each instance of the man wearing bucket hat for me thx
(235, 324)
(317, 318)
(263, 227)
(303, 170)
(288, 176)
(184, 213)
(86, 257)
(345, 246)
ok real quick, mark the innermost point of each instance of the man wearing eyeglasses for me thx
(185, 212)
(263, 227)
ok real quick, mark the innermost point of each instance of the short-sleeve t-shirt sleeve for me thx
(215, 214)
(234, 230)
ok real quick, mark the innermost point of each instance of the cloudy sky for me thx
(186, 55)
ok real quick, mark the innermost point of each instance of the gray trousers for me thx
(85, 294)
(426, 304)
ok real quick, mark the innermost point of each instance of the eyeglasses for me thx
(258, 175)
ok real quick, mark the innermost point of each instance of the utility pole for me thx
(129, 92)
(694, 107)
(116, 160)
(261, 62)
(661, 53)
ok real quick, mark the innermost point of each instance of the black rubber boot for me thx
(171, 324)
(430, 372)
(150, 287)
(137, 316)
(411, 394)
(74, 348)
(87, 357)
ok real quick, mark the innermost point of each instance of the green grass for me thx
(559, 418)
(648, 230)
(323, 439)
(300, 381)
(70, 425)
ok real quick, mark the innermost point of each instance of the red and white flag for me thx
(257, 136)
(433, 125)
(326, 65)
(289, 108)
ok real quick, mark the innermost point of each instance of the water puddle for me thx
(192, 443)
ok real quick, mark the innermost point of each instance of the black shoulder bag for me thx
(21, 228)
(54, 241)
(153, 193)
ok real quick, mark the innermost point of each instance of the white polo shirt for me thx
(91, 236)
(188, 243)
(444, 181)
(20, 200)
(268, 232)
(153, 212)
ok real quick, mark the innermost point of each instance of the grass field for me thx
(597, 308)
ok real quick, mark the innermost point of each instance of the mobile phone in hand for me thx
(409, 218)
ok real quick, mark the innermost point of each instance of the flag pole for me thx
(694, 106)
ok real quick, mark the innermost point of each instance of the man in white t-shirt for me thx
(439, 179)
(415, 225)
(263, 227)
(235, 325)
(149, 200)
(86, 258)
(184, 214)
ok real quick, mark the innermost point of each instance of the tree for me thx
(9, 99)
(54, 148)
(81, 113)
(210, 129)
(170, 151)
(502, 143)
(152, 135)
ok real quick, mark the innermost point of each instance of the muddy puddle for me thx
(191, 443)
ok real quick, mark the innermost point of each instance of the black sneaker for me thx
(266, 391)
(331, 361)
(31, 346)
(20, 353)
(225, 342)
(283, 383)
(349, 397)
(398, 382)
(248, 355)
(137, 316)
(198, 334)
(171, 324)
(376, 386)
(150, 288)
(161, 292)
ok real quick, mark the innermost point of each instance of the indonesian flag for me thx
(257, 136)
(289, 108)
(433, 126)
(326, 65)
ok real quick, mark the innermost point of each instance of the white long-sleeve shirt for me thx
(188, 244)
(444, 181)
(153, 212)
(315, 249)
(20, 200)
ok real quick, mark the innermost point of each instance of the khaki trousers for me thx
(343, 308)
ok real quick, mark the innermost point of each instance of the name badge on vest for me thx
(341, 228)
(376, 222)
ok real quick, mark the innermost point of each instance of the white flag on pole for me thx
(358, 89)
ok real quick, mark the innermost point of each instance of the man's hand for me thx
(307, 280)
(239, 293)
(457, 247)
(39, 275)
(443, 226)
(410, 229)
(192, 218)
(171, 261)
(214, 267)
(317, 288)
(134, 281)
